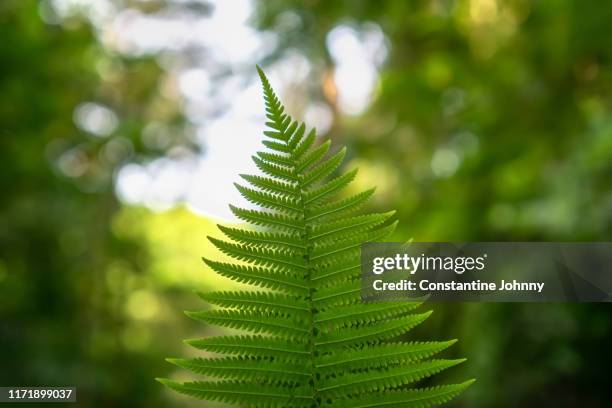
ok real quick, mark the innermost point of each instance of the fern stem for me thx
(311, 290)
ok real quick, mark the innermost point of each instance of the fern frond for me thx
(313, 157)
(262, 277)
(339, 295)
(312, 342)
(274, 170)
(279, 260)
(278, 159)
(362, 335)
(271, 185)
(329, 188)
(336, 208)
(305, 144)
(348, 226)
(250, 394)
(360, 314)
(382, 355)
(276, 146)
(245, 368)
(333, 247)
(253, 321)
(323, 170)
(272, 240)
(267, 200)
(384, 379)
(259, 346)
(338, 271)
(411, 398)
(266, 219)
(260, 301)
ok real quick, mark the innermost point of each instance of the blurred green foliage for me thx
(61, 320)
(492, 122)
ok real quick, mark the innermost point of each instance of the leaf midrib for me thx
(307, 258)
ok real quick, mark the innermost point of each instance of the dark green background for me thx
(534, 95)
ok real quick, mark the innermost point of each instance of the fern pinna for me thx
(312, 342)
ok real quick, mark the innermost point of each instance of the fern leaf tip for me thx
(451, 342)
(464, 385)
(260, 71)
(166, 382)
(191, 313)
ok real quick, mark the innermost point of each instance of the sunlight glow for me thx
(95, 119)
(208, 57)
(357, 54)
(444, 162)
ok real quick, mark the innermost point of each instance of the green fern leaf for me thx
(260, 301)
(258, 346)
(253, 321)
(336, 208)
(382, 355)
(303, 146)
(271, 185)
(312, 341)
(411, 398)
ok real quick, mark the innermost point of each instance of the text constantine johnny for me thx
(476, 285)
